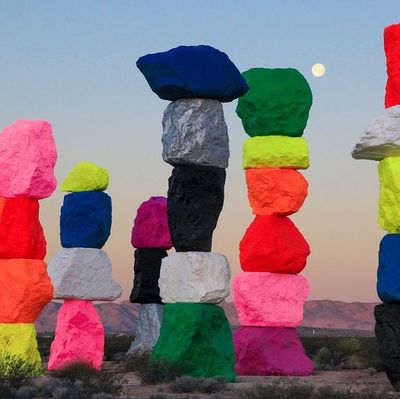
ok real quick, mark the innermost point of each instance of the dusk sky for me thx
(73, 64)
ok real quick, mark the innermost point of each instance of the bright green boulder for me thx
(86, 176)
(277, 103)
(197, 338)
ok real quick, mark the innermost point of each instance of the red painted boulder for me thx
(392, 50)
(273, 191)
(270, 351)
(270, 299)
(150, 228)
(79, 336)
(21, 234)
(273, 244)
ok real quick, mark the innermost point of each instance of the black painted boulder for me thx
(195, 200)
(147, 272)
(387, 331)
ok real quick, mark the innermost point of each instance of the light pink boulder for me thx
(27, 158)
(150, 228)
(79, 336)
(270, 299)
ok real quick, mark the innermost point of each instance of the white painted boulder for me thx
(199, 277)
(381, 139)
(83, 273)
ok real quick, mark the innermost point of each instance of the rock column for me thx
(151, 238)
(269, 294)
(195, 333)
(81, 271)
(27, 158)
(381, 142)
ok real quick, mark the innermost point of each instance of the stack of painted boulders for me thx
(27, 159)
(381, 142)
(151, 238)
(269, 294)
(195, 333)
(81, 271)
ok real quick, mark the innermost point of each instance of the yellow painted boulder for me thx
(389, 197)
(19, 340)
(275, 152)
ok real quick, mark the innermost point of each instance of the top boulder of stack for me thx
(277, 103)
(191, 72)
(392, 50)
(86, 176)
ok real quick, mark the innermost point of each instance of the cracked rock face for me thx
(148, 328)
(195, 200)
(83, 273)
(198, 277)
(381, 139)
(195, 132)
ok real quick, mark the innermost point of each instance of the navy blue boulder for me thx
(85, 220)
(193, 71)
(389, 269)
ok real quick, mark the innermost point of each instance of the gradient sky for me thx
(73, 63)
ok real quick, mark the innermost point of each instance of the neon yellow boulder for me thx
(275, 152)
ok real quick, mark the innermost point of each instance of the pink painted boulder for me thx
(150, 228)
(270, 351)
(79, 336)
(27, 158)
(270, 299)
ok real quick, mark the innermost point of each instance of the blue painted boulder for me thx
(85, 220)
(192, 71)
(388, 286)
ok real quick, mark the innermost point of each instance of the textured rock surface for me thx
(79, 336)
(148, 328)
(273, 244)
(195, 132)
(270, 299)
(204, 347)
(25, 289)
(273, 191)
(86, 176)
(27, 158)
(199, 277)
(392, 50)
(195, 200)
(387, 331)
(21, 234)
(83, 273)
(275, 152)
(85, 220)
(20, 340)
(270, 351)
(389, 194)
(381, 138)
(388, 286)
(192, 71)
(147, 272)
(277, 103)
(150, 228)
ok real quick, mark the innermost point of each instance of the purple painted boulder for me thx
(150, 228)
(270, 351)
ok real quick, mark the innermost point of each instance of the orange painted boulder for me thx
(273, 191)
(273, 244)
(21, 234)
(25, 288)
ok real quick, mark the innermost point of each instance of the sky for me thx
(73, 64)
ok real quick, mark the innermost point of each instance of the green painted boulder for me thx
(197, 338)
(278, 102)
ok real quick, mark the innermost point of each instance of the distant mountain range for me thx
(121, 317)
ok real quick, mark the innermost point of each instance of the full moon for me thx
(318, 70)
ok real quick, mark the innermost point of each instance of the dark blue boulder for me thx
(388, 286)
(192, 71)
(85, 220)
